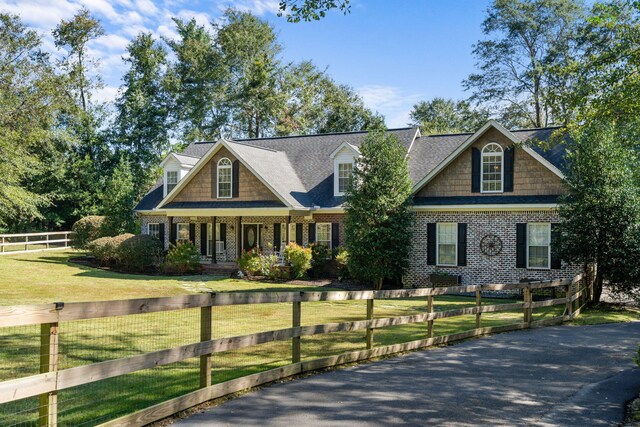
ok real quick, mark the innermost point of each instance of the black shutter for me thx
(509, 155)
(299, 234)
(223, 234)
(161, 234)
(192, 233)
(521, 245)
(235, 179)
(277, 234)
(431, 243)
(475, 170)
(214, 183)
(462, 245)
(335, 235)
(172, 234)
(312, 233)
(556, 262)
(203, 239)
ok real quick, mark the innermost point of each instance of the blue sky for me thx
(394, 53)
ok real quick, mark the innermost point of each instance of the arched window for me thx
(224, 178)
(492, 168)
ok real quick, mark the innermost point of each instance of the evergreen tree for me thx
(118, 201)
(440, 115)
(141, 122)
(379, 218)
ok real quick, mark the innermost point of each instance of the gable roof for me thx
(299, 169)
(457, 147)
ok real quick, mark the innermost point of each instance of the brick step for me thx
(222, 269)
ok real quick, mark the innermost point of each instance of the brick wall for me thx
(530, 176)
(480, 268)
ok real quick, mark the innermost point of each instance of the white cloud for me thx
(106, 94)
(44, 15)
(257, 7)
(112, 42)
(389, 101)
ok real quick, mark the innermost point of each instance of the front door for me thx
(249, 237)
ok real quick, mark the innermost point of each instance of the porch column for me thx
(214, 249)
(287, 238)
(171, 233)
(238, 236)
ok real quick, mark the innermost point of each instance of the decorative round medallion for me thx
(491, 245)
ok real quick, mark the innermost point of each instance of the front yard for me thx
(48, 277)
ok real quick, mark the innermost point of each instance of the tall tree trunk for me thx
(597, 287)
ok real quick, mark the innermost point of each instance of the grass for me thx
(47, 277)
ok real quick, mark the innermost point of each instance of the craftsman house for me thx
(485, 203)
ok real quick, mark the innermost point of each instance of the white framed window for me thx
(539, 246)
(172, 180)
(492, 168)
(210, 245)
(323, 234)
(224, 178)
(153, 229)
(292, 233)
(447, 244)
(345, 176)
(182, 232)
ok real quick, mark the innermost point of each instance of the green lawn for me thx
(48, 277)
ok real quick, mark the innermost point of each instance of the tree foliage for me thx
(311, 10)
(440, 115)
(528, 42)
(379, 218)
(601, 214)
(118, 201)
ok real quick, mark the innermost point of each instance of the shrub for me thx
(139, 253)
(86, 230)
(342, 259)
(250, 262)
(319, 258)
(105, 249)
(299, 260)
(182, 259)
(271, 268)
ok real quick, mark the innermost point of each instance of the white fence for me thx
(34, 242)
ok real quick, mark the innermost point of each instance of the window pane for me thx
(539, 256)
(172, 180)
(323, 234)
(539, 234)
(224, 178)
(345, 173)
(447, 255)
(154, 230)
(492, 168)
(183, 231)
(292, 233)
(447, 244)
(447, 233)
(538, 241)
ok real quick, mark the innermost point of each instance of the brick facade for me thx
(480, 268)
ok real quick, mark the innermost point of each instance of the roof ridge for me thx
(540, 128)
(185, 155)
(447, 134)
(252, 146)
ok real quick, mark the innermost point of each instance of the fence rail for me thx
(34, 242)
(52, 379)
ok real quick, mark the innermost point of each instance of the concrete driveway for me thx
(565, 375)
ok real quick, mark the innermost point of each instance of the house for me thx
(486, 203)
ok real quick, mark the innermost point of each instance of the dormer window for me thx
(224, 178)
(345, 176)
(492, 168)
(172, 180)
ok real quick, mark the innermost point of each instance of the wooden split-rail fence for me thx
(11, 244)
(51, 380)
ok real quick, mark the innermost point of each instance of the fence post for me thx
(478, 304)
(26, 243)
(430, 322)
(205, 335)
(47, 241)
(295, 341)
(67, 236)
(2, 244)
(569, 308)
(48, 402)
(369, 328)
(528, 310)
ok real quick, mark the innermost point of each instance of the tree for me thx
(379, 218)
(315, 103)
(533, 38)
(196, 81)
(142, 109)
(29, 149)
(249, 48)
(601, 214)
(118, 201)
(311, 10)
(440, 115)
